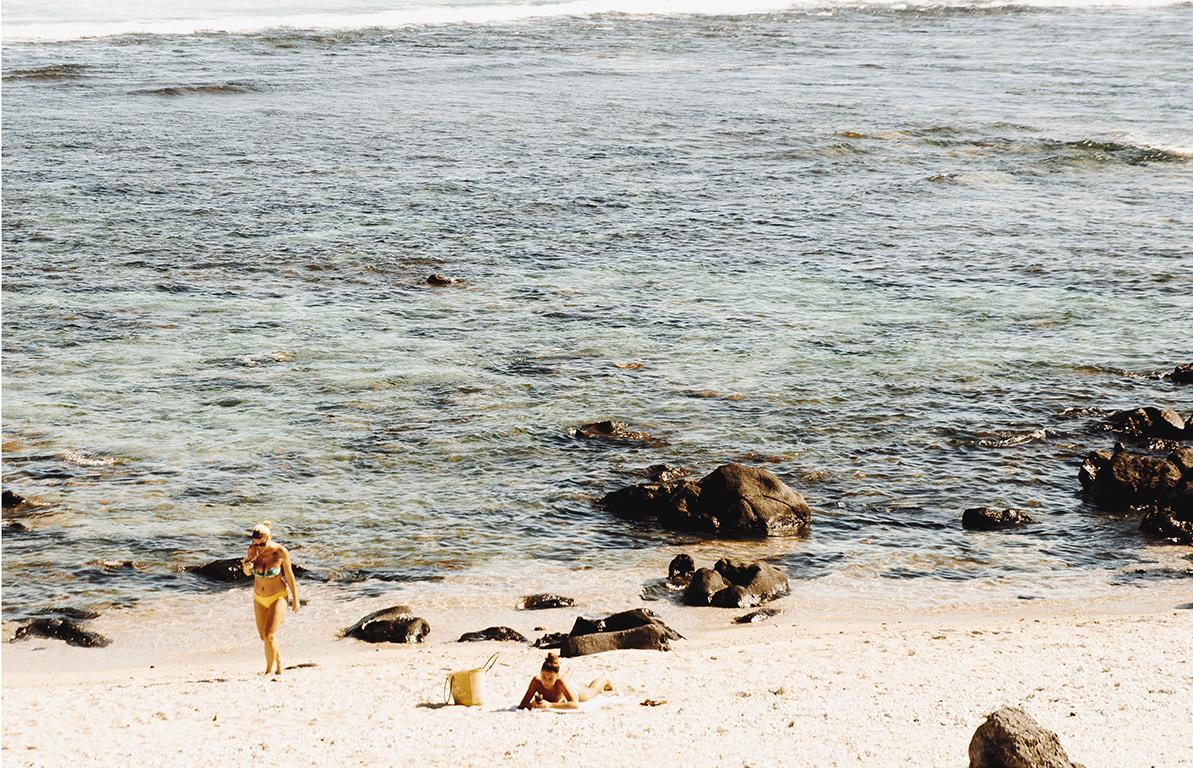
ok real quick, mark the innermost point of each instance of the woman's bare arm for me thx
(531, 689)
(288, 571)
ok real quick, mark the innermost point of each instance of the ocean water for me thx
(917, 253)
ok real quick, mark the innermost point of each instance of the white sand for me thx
(1112, 677)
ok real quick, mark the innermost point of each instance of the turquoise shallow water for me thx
(925, 248)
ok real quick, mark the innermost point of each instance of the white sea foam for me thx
(34, 21)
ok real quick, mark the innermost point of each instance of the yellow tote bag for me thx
(467, 687)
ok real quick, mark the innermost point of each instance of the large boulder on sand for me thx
(732, 500)
(1011, 739)
(502, 634)
(396, 624)
(637, 629)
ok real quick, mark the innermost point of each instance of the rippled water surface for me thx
(912, 254)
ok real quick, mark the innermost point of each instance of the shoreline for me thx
(812, 685)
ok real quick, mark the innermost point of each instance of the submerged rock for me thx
(991, 519)
(61, 629)
(544, 601)
(12, 500)
(396, 624)
(614, 430)
(443, 281)
(1010, 738)
(504, 634)
(732, 500)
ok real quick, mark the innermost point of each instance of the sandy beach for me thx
(817, 686)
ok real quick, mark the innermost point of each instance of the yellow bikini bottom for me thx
(268, 600)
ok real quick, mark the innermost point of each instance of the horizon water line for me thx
(329, 19)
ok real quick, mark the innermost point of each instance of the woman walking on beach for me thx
(547, 690)
(269, 563)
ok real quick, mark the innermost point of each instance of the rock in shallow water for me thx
(762, 614)
(396, 624)
(228, 571)
(1169, 524)
(1182, 374)
(614, 430)
(991, 519)
(1124, 479)
(1165, 424)
(62, 629)
(1010, 738)
(732, 500)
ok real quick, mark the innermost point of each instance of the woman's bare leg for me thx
(261, 616)
(273, 622)
(595, 688)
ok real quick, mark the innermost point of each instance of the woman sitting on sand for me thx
(269, 563)
(547, 690)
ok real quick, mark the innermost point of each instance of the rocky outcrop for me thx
(12, 500)
(1163, 424)
(1010, 738)
(732, 500)
(1127, 479)
(396, 624)
(61, 629)
(1172, 524)
(736, 584)
(503, 634)
(680, 569)
(228, 571)
(637, 629)
(614, 430)
(992, 519)
(543, 601)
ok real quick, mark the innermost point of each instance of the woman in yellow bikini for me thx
(269, 564)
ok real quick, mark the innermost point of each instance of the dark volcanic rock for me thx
(443, 281)
(544, 601)
(1011, 739)
(991, 519)
(229, 571)
(614, 430)
(396, 624)
(1165, 424)
(1171, 524)
(638, 628)
(762, 614)
(493, 633)
(650, 637)
(1127, 479)
(1182, 374)
(663, 473)
(1091, 465)
(12, 500)
(680, 570)
(551, 640)
(62, 629)
(732, 500)
(752, 584)
(704, 585)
